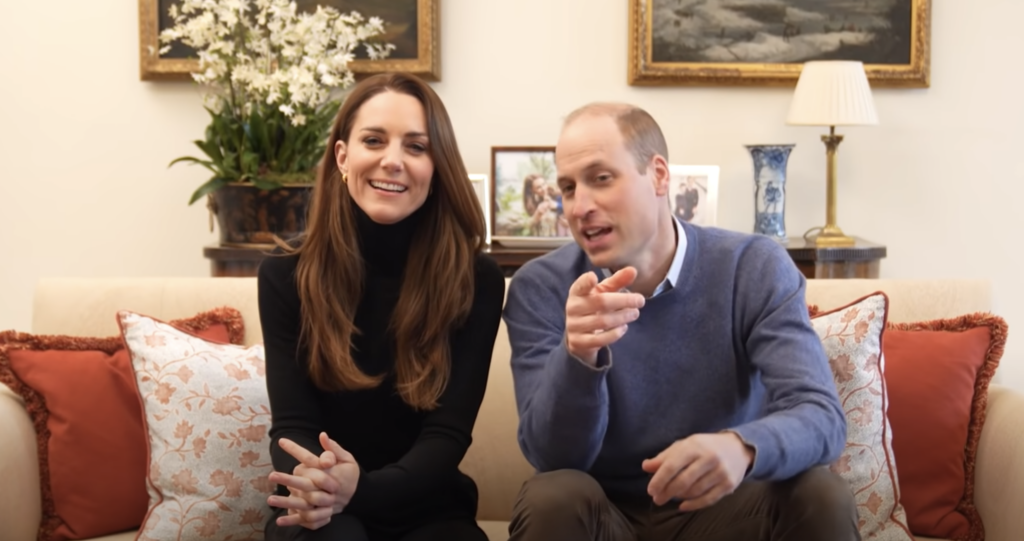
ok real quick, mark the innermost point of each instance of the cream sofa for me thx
(86, 307)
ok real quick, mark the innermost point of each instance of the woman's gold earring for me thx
(344, 178)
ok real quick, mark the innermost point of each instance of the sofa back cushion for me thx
(909, 300)
(86, 306)
(494, 460)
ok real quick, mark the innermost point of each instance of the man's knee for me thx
(823, 504)
(563, 504)
(822, 489)
(558, 492)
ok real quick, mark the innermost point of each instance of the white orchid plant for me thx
(269, 75)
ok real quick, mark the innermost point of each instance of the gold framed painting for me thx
(765, 43)
(413, 26)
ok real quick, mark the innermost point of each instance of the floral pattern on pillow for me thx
(852, 338)
(207, 417)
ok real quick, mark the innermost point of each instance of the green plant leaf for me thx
(219, 141)
(205, 163)
(211, 149)
(285, 157)
(256, 132)
(250, 163)
(210, 186)
(265, 184)
(230, 165)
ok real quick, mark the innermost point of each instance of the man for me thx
(668, 381)
(687, 199)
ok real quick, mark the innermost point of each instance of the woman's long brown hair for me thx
(437, 287)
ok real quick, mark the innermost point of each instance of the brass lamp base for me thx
(829, 236)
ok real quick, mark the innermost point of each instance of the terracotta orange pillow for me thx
(84, 405)
(937, 373)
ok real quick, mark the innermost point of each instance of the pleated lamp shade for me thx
(832, 93)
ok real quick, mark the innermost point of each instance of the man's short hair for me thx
(640, 132)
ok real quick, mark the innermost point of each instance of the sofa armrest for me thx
(999, 470)
(20, 507)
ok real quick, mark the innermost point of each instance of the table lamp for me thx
(832, 93)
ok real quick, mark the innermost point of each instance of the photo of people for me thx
(543, 206)
(482, 188)
(527, 207)
(693, 193)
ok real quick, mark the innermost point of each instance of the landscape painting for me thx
(872, 31)
(761, 39)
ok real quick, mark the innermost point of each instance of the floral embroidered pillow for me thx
(206, 416)
(852, 337)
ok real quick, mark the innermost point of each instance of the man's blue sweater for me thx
(729, 347)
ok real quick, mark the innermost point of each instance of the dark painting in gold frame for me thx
(412, 25)
(685, 43)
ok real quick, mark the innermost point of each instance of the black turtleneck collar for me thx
(385, 248)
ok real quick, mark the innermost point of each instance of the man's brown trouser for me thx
(570, 505)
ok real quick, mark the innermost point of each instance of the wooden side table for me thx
(234, 261)
(239, 261)
(510, 259)
(861, 260)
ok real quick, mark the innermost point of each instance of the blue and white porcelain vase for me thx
(770, 189)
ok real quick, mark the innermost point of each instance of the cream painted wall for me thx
(84, 144)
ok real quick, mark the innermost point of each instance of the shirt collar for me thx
(672, 277)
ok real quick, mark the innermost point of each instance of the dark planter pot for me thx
(250, 217)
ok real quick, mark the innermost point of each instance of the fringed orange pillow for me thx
(84, 405)
(937, 374)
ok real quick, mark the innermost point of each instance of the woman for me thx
(378, 330)
(539, 206)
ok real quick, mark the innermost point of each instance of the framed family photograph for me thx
(703, 42)
(526, 208)
(693, 193)
(482, 188)
(412, 26)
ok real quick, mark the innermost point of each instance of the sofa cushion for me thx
(496, 530)
(123, 536)
(938, 373)
(852, 338)
(80, 394)
(206, 416)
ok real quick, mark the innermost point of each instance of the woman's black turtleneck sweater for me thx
(409, 459)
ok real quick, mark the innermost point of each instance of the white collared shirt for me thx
(677, 262)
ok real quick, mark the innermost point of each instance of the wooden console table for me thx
(239, 261)
(510, 259)
(861, 260)
(234, 261)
